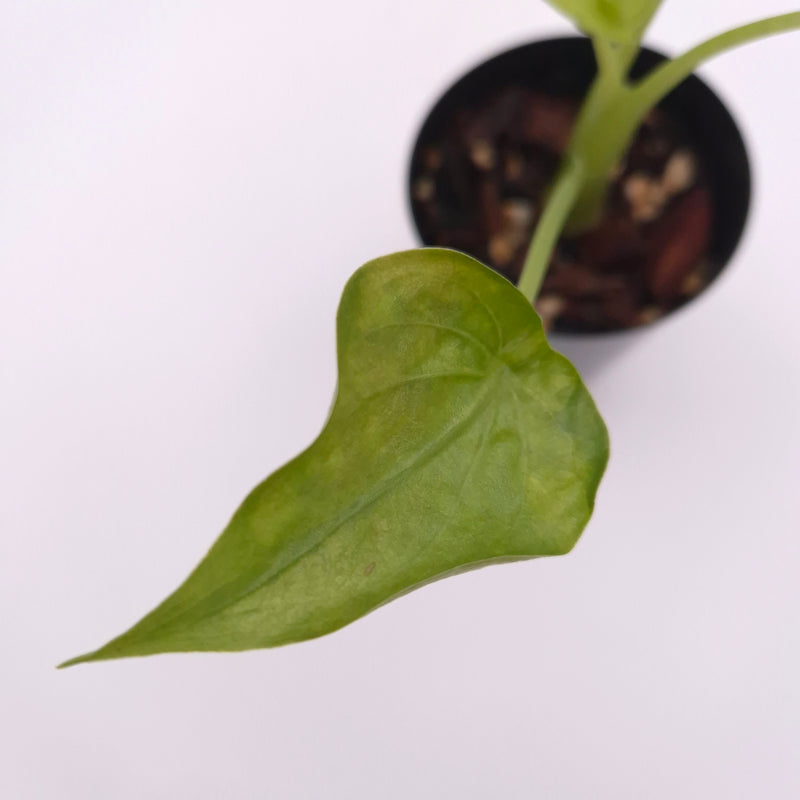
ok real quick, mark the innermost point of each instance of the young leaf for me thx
(458, 438)
(621, 21)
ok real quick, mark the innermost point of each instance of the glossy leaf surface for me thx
(458, 438)
(614, 20)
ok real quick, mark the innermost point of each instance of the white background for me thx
(184, 189)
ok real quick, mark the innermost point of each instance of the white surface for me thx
(183, 190)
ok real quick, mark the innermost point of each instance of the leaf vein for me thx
(456, 331)
(483, 304)
(326, 530)
(427, 376)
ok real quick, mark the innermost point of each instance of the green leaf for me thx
(458, 438)
(622, 21)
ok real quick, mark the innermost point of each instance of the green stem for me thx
(605, 126)
(603, 129)
(602, 132)
(559, 204)
(664, 78)
(613, 111)
(613, 59)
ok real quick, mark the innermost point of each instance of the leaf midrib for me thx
(331, 527)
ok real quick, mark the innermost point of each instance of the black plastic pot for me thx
(566, 67)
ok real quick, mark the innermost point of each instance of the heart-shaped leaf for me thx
(613, 20)
(458, 439)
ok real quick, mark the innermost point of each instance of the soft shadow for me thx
(592, 353)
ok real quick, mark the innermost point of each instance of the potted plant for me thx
(458, 437)
(666, 225)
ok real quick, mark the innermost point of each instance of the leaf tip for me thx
(107, 652)
(71, 662)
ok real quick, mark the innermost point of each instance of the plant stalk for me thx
(560, 202)
(614, 108)
(609, 117)
(665, 77)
